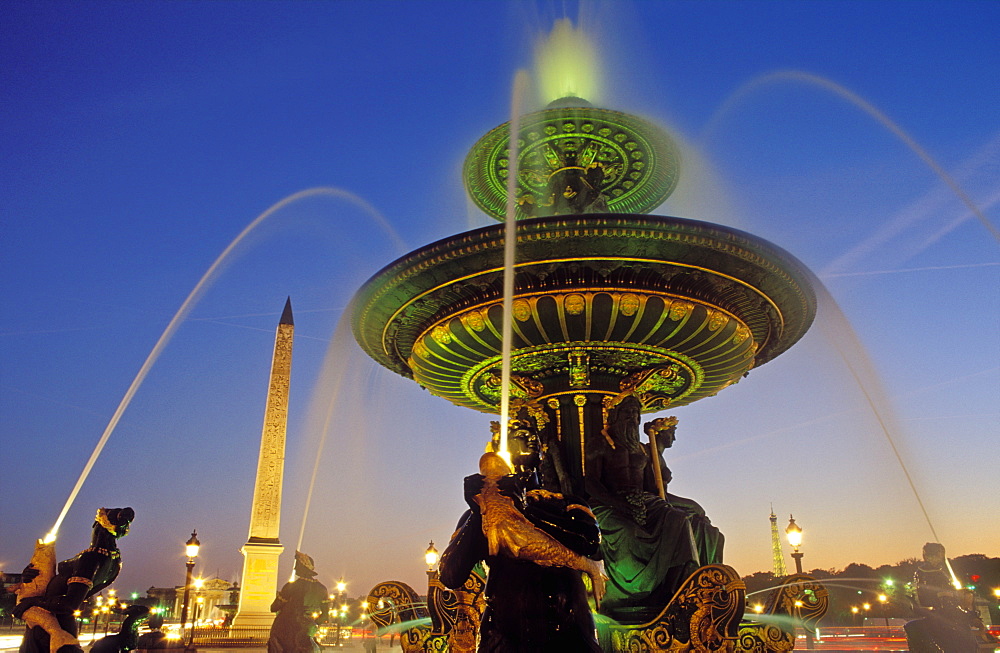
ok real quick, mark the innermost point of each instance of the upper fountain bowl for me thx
(573, 158)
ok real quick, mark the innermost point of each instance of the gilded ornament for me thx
(679, 310)
(716, 320)
(420, 349)
(579, 369)
(474, 320)
(629, 304)
(575, 304)
(521, 310)
(441, 334)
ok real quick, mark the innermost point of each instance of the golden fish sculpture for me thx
(44, 560)
(508, 530)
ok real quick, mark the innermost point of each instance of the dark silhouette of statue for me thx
(948, 620)
(74, 581)
(294, 626)
(127, 637)
(650, 546)
(530, 605)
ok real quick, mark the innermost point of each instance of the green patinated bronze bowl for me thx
(601, 300)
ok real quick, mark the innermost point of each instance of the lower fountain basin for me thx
(599, 300)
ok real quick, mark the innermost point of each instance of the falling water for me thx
(867, 107)
(566, 64)
(838, 330)
(334, 372)
(189, 303)
(509, 245)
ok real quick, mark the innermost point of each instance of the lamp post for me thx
(882, 598)
(431, 557)
(362, 619)
(339, 614)
(110, 605)
(794, 535)
(191, 549)
(198, 602)
(98, 603)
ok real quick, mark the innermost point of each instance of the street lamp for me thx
(794, 535)
(338, 614)
(112, 609)
(198, 602)
(882, 598)
(191, 549)
(431, 556)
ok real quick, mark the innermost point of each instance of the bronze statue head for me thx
(115, 520)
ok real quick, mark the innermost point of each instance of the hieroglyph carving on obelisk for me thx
(260, 553)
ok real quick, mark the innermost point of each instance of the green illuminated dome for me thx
(572, 159)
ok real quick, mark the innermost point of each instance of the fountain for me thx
(615, 313)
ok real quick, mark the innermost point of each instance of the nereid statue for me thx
(948, 620)
(650, 543)
(48, 611)
(536, 544)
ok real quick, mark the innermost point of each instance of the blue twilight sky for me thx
(139, 139)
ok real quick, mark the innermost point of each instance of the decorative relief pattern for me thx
(738, 302)
(266, 509)
(631, 164)
(703, 615)
(800, 599)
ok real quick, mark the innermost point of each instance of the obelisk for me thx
(260, 553)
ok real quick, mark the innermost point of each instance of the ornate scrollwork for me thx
(521, 387)
(703, 615)
(799, 599)
(394, 601)
(757, 637)
(454, 616)
(655, 387)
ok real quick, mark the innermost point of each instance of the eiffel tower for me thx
(779, 557)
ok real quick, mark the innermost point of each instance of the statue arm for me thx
(649, 475)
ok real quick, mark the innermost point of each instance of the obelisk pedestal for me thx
(260, 553)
